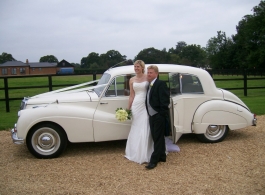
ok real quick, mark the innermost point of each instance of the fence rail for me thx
(245, 78)
(50, 85)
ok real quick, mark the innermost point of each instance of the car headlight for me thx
(23, 103)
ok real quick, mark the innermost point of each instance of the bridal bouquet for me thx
(123, 115)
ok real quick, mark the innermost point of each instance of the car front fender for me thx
(220, 112)
(75, 120)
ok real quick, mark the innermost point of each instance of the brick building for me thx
(17, 68)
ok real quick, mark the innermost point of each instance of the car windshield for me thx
(103, 81)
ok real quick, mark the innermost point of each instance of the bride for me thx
(139, 146)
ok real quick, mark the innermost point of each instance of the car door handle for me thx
(103, 102)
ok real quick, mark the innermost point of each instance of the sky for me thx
(72, 29)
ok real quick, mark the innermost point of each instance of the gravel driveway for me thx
(234, 166)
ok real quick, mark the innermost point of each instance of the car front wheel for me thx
(213, 134)
(46, 141)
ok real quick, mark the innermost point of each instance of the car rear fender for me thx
(221, 112)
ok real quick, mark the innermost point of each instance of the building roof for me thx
(30, 64)
(13, 63)
(41, 64)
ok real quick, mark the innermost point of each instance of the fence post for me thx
(6, 94)
(245, 83)
(210, 72)
(94, 76)
(50, 82)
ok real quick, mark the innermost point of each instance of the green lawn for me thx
(7, 119)
(255, 99)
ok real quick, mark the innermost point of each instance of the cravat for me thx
(151, 111)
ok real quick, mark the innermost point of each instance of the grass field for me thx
(255, 99)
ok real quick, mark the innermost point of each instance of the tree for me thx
(194, 55)
(180, 46)
(218, 51)
(174, 58)
(76, 65)
(246, 48)
(129, 62)
(112, 57)
(94, 66)
(5, 57)
(90, 59)
(250, 40)
(84, 62)
(49, 58)
(152, 55)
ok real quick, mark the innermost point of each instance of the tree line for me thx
(244, 50)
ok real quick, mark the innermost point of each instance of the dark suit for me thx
(159, 101)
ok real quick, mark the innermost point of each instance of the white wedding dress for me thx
(139, 146)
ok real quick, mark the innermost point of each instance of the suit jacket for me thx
(159, 97)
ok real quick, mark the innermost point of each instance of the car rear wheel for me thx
(213, 134)
(46, 141)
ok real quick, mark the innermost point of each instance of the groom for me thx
(157, 101)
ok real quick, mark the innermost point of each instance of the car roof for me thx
(128, 69)
(205, 78)
(163, 68)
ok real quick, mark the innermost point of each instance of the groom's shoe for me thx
(150, 166)
(162, 160)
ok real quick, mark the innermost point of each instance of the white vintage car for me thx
(46, 122)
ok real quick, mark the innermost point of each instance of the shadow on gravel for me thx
(103, 148)
(113, 147)
(90, 148)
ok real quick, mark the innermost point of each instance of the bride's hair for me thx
(141, 63)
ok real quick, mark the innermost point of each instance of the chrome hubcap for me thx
(215, 132)
(46, 140)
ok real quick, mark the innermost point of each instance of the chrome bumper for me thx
(254, 122)
(15, 139)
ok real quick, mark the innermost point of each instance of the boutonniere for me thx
(151, 85)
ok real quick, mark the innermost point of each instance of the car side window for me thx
(190, 84)
(174, 83)
(119, 86)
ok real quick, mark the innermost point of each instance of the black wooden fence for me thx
(258, 76)
(50, 86)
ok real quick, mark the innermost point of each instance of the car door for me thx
(186, 94)
(106, 126)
